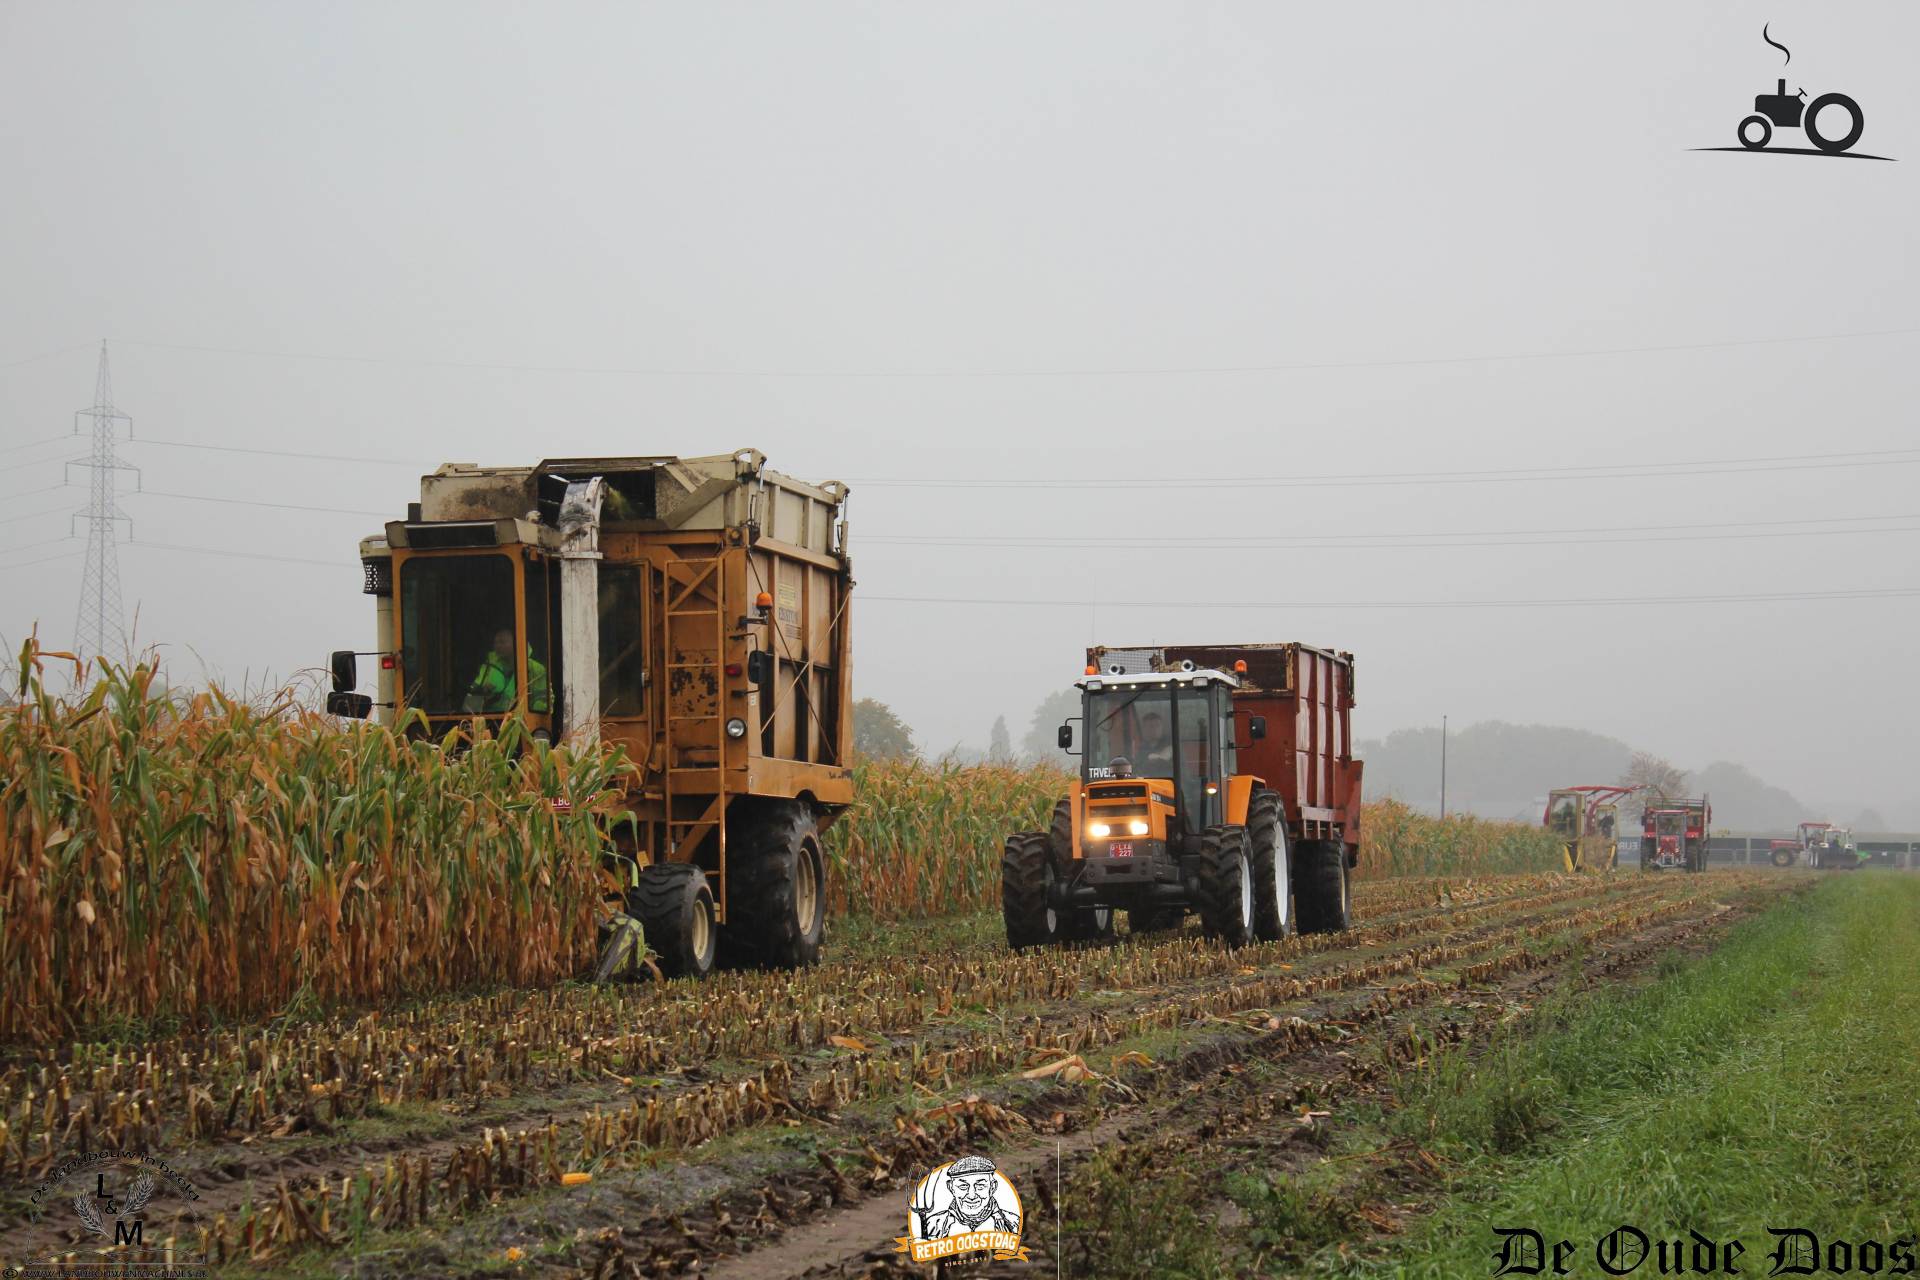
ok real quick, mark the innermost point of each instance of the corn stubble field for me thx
(332, 976)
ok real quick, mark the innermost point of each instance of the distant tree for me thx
(1654, 778)
(1000, 745)
(879, 734)
(1871, 821)
(1040, 743)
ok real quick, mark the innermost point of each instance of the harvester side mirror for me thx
(1065, 737)
(760, 667)
(354, 706)
(346, 671)
(1256, 728)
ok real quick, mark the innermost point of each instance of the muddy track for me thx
(265, 1202)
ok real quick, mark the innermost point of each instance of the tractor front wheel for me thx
(1026, 877)
(1226, 885)
(777, 886)
(1323, 890)
(1077, 924)
(1783, 857)
(675, 908)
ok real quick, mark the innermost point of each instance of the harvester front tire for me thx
(1226, 885)
(675, 907)
(777, 887)
(1026, 874)
(1272, 868)
(1323, 890)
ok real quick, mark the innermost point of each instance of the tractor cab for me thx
(1168, 733)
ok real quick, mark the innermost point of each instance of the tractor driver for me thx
(492, 690)
(1156, 746)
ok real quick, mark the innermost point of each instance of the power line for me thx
(253, 502)
(35, 444)
(1489, 475)
(1302, 545)
(1094, 542)
(344, 563)
(1862, 593)
(280, 453)
(45, 355)
(65, 555)
(1082, 372)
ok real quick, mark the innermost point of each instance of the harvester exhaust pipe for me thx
(579, 527)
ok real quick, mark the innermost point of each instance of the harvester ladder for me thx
(694, 632)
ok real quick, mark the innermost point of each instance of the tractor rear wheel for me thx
(1272, 872)
(1026, 876)
(675, 908)
(1226, 885)
(1077, 924)
(1322, 890)
(777, 885)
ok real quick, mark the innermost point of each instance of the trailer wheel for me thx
(1144, 920)
(1321, 890)
(1782, 857)
(776, 885)
(1077, 924)
(1272, 872)
(1026, 875)
(675, 908)
(1226, 885)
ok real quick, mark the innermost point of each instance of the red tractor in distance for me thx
(1673, 834)
(1586, 820)
(1823, 845)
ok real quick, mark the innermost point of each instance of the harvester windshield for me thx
(466, 648)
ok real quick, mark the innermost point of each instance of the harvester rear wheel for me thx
(675, 907)
(1272, 869)
(1322, 891)
(1026, 874)
(1226, 885)
(776, 885)
(1077, 924)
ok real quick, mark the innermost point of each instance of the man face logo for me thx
(972, 1193)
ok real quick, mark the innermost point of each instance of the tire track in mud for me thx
(857, 1240)
(1424, 935)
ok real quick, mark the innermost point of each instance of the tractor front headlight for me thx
(1099, 830)
(1138, 827)
(736, 728)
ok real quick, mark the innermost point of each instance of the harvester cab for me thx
(1587, 821)
(1173, 810)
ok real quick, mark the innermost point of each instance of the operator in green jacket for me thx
(492, 690)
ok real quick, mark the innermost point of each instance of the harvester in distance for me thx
(1217, 779)
(1673, 834)
(693, 610)
(1587, 821)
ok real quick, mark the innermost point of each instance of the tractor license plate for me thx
(1121, 849)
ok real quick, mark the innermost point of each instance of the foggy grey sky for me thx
(970, 242)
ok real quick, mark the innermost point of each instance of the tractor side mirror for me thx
(1256, 728)
(354, 706)
(760, 667)
(1065, 737)
(346, 671)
